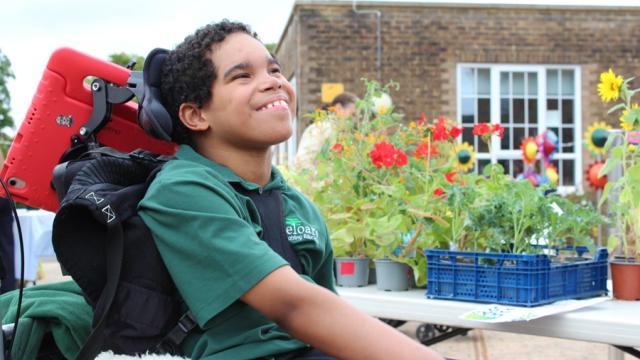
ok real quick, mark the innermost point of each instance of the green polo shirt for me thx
(207, 235)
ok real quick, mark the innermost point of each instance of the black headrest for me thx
(152, 115)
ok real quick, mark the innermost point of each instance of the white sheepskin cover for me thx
(109, 355)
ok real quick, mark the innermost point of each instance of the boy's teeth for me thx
(270, 105)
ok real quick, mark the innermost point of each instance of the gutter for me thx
(378, 15)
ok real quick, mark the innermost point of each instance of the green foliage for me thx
(624, 152)
(6, 121)
(125, 59)
(271, 47)
(383, 195)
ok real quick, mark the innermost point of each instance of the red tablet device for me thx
(62, 105)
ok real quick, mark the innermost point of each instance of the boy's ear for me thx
(192, 117)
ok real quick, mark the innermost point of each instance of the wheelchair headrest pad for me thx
(153, 117)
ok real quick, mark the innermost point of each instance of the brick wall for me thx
(422, 44)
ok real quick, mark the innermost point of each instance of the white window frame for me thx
(540, 69)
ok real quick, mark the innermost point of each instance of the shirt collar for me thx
(186, 152)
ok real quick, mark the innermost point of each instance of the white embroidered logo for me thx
(109, 212)
(92, 196)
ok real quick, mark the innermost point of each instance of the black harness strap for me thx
(115, 247)
(271, 208)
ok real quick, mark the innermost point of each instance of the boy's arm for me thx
(320, 318)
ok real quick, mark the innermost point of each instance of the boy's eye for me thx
(275, 70)
(241, 76)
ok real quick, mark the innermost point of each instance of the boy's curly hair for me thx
(189, 72)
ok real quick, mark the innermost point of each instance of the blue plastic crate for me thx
(513, 279)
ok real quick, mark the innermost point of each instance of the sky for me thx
(30, 30)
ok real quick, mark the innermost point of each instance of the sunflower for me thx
(609, 86)
(465, 156)
(596, 137)
(624, 124)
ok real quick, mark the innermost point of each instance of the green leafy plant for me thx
(379, 179)
(624, 153)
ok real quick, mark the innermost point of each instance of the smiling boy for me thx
(230, 103)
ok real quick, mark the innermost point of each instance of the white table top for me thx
(613, 322)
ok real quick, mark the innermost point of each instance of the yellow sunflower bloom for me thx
(609, 86)
(465, 157)
(625, 125)
(596, 137)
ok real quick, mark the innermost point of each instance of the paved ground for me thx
(478, 344)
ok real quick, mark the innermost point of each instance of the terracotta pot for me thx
(625, 276)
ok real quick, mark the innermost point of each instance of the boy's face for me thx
(252, 104)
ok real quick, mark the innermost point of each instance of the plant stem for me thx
(412, 241)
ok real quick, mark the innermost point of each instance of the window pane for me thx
(532, 85)
(533, 132)
(518, 84)
(567, 140)
(482, 146)
(504, 83)
(484, 82)
(567, 111)
(533, 111)
(504, 111)
(467, 135)
(504, 143)
(552, 82)
(567, 82)
(468, 82)
(552, 104)
(468, 108)
(518, 167)
(506, 165)
(567, 173)
(518, 111)
(518, 136)
(482, 164)
(484, 110)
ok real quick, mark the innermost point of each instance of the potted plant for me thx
(502, 232)
(375, 180)
(624, 154)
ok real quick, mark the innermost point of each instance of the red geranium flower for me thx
(423, 118)
(440, 132)
(455, 132)
(438, 192)
(481, 129)
(498, 130)
(450, 176)
(401, 158)
(424, 150)
(485, 130)
(337, 147)
(388, 155)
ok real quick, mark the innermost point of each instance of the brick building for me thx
(528, 67)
